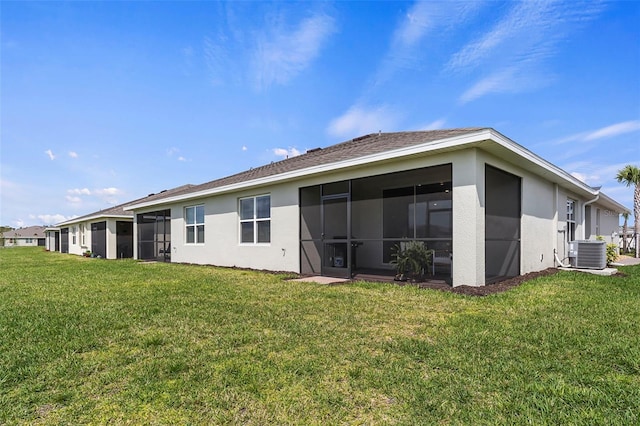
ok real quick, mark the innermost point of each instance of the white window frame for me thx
(571, 219)
(194, 225)
(254, 220)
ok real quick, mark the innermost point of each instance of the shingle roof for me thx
(28, 232)
(119, 209)
(358, 147)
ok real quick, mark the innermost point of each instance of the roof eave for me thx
(93, 218)
(457, 142)
(462, 140)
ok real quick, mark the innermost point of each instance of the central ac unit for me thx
(588, 254)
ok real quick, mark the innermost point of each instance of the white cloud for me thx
(50, 154)
(217, 58)
(281, 55)
(610, 131)
(582, 177)
(596, 174)
(78, 191)
(414, 24)
(434, 125)
(409, 42)
(51, 219)
(19, 223)
(359, 121)
(529, 30)
(181, 158)
(286, 153)
(244, 148)
(171, 151)
(73, 199)
(507, 80)
(108, 191)
(614, 130)
(73, 154)
(515, 48)
(108, 195)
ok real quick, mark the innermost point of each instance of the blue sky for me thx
(105, 102)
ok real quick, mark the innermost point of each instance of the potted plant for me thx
(87, 253)
(412, 260)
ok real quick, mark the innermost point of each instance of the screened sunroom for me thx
(154, 235)
(351, 228)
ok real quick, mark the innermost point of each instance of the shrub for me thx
(412, 260)
(612, 250)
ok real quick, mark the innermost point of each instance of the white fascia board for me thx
(93, 218)
(613, 204)
(539, 161)
(458, 141)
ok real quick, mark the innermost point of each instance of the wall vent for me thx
(588, 254)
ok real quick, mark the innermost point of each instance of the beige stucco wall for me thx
(608, 222)
(81, 245)
(537, 215)
(222, 245)
(468, 219)
(543, 219)
(20, 242)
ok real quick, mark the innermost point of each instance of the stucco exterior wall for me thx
(610, 225)
(112, 247)
(603, 222)
(538, 208)
(468, 219)
(222, 231)
(75, 241)
(83, 229)
(543, 219)
(222, 247)
(20, 242)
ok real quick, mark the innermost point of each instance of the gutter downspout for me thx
(556, 204)
(584, 207)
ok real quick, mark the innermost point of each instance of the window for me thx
(571, 220)
(73, 237)
(422, 212)
(255, 219)
(195, 224)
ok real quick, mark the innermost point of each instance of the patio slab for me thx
(627, 261)
(607, 272)
(321, 280)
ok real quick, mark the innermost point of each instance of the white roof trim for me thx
(539, 161)
(469, 138)
(458, 142)
(92, 218)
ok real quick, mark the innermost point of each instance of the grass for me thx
(93, 341)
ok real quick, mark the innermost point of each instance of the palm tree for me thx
(630, 175)
(625, 229)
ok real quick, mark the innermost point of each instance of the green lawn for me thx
(93, 341)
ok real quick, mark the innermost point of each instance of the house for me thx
(52, 238)
(490, 208)
(31, 236)
(107, 233)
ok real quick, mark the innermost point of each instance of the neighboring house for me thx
(106, 233)
(31, 236)
(490, 208)
(52, 238)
